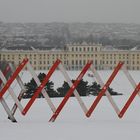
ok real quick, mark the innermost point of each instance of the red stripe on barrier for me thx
(131, 98)
(70, 91)
(105, 87)
(39, 89)
(13, 77)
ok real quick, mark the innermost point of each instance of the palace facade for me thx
(75, 56)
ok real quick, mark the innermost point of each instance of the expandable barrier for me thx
(6, 82)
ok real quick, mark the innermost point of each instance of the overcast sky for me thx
(125, 11)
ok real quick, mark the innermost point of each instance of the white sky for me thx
(70, 11)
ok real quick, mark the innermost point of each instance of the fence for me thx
(7, 79)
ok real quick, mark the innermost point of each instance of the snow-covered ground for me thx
(72, 124)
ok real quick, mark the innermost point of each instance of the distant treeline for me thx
(57, 35)
(59, 42)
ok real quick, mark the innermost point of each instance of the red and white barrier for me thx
(2, 100)
(6, 87)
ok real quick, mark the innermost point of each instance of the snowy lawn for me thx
(71, 123)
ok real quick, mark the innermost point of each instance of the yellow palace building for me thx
(75, 56)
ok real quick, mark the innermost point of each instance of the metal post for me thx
(45, 94)
(104, 89)
(80, 101)
(7, 110)
(13, 77)
(11, 92)
(129, 101)
(129, 77)
(41, 86)
(70, 91)
(100, 81)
